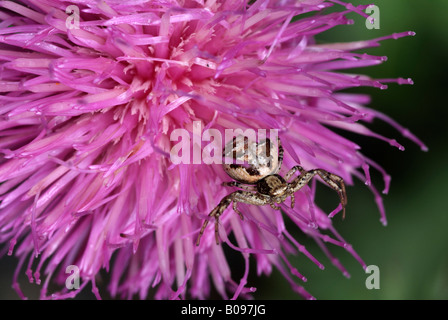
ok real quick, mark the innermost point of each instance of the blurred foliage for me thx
(411, 251)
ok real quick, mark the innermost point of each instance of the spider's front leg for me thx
(239, 185)
(292, 171)
(235, 197)
(334, 181)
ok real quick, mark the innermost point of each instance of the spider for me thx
(260, 182)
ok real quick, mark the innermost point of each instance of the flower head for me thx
(87, 111)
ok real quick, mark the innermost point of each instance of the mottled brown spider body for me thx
(260, 181)
(261, 160)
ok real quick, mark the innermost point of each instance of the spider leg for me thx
(335, 182)
(235, 208)
(239, 185)
(293, 200)
(293, 170)
(273, 206)
(237, 196)
(215, 213)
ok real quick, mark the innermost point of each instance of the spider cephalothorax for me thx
(260, 181)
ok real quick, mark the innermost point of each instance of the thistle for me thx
(87, 109)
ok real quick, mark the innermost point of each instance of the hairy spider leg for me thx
(239, 185)
(273, 206)
(335, 182)
(288, 176)
(235, 197)
(293, 170)
(293, 200)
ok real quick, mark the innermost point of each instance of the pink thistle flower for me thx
(86, 115)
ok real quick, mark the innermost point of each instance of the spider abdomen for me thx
(247, 161)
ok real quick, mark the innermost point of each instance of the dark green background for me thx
(412, 251)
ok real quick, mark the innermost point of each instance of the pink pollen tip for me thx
(29, 273)
(394, 143)
(12, 244)
(37, 277)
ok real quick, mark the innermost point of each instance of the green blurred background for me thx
(412, 251)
